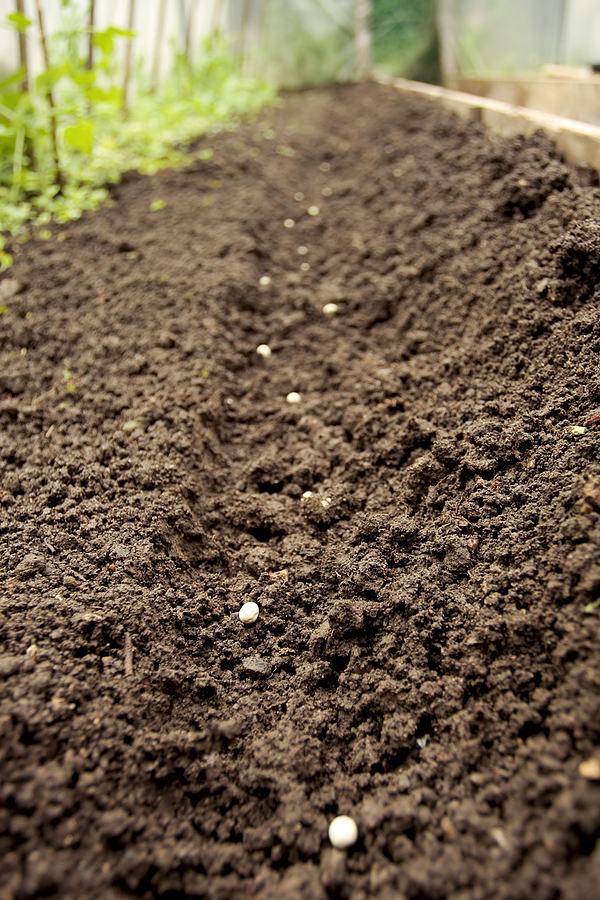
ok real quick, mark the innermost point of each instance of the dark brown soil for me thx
(422, 660)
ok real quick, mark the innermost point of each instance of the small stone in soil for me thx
(256, 666)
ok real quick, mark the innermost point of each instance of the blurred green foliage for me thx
(306, 43)
(405, 38)
(95, 140)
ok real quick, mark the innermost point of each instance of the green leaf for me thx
(592, 606)
(99, 95)
(46, 81)
(121, 32)
(104, 40)
(12, 79)
(82, 77)
(19, 21)
(80, 136)
(156, 205)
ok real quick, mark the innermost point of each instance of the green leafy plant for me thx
(65, 135)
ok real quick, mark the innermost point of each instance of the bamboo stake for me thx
(244, 30)
(216, 17)
(23, 51)
(160, 27)
(59, 180)
(362, 37)
(128, 58)
(90, 62)
(24, 63)
(189, 32)
(183, 26)
(446, 10)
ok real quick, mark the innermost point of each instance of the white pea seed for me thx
(590, 768)
(327, 192)
(302, 251)
(289, 223)
(305, 267)
(343, 832)
(299, 196)
(264, 350)
(294, 397)
(324, 167)
(249, 613)
(264, 280)
(330, 309)
(313, 210)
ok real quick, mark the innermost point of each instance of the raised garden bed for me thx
(422, 659)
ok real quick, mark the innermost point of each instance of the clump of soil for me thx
(422, 660)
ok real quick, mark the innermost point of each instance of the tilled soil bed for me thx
(422, 660)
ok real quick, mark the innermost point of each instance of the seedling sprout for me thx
(264, 350)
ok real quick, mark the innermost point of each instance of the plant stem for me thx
(128, 56)
(23, 50)
(17, 163)
(58, 178)
(160, 27)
